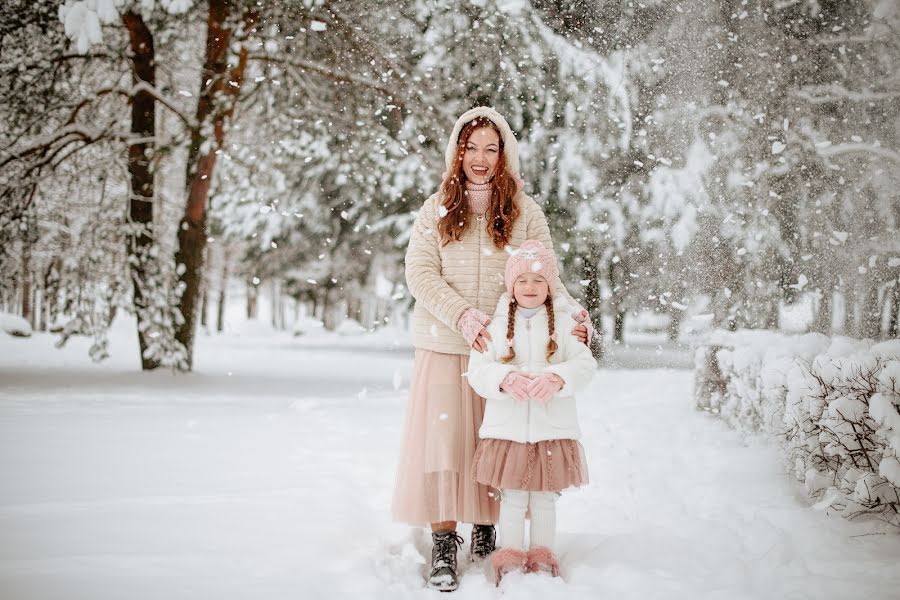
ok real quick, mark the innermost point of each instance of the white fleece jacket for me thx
(529, 420)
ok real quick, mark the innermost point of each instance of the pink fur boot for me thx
(542, 560)
(506, 560)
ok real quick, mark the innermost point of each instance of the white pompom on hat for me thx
(532, 257)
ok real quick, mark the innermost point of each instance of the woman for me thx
(455, 263)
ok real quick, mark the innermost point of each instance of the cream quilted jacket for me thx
(447, 280)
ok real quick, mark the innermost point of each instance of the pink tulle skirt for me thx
(548, 466)
(433, 481)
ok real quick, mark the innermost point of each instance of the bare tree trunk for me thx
(674, 326)
(252, 293)
(220, 311)
(841, 299)
(353, 310)
(204, 304)
(204, 290)
(276, 292)
(615, 302)
(140, 203)
(327, 318)
(51, 289)
(894, 307)
(25, 279)
(870, 326)
(590, 272)
(823, 318)
(619, 326)
(40, 323)
(772, 314)
(219, 88)
(36, 305)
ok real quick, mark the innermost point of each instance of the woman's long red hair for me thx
(501, 213)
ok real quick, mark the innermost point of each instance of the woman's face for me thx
(481, 155)
(530, 290)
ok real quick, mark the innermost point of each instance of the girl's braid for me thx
(510, 331)
(551, 324)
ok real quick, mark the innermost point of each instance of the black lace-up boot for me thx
(484, 541)
(443, 574)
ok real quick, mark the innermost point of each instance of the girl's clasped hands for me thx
(535, 386)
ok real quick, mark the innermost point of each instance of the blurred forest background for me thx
(728, 159)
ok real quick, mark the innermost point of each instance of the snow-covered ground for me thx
(267, 474)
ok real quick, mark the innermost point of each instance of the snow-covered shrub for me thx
(305, 325)
(350, 327)
(14, 325)
(750, 370)
(833, 405)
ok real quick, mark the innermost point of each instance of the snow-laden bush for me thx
(305, 325)
(350, 327)
(833, 404)
(14, 325)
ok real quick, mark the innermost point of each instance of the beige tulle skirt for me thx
(548, 466)
(433, 481)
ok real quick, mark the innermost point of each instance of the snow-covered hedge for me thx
(833, 404)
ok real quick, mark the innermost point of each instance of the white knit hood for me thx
(510, 145)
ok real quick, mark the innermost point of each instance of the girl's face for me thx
(481, 155)
(530, 290)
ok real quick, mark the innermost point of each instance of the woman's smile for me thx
(481, 155)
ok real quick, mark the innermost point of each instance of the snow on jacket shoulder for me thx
(529, 420)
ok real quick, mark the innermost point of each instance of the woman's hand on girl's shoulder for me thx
(482, 339)
(585, 328)
(473, 326)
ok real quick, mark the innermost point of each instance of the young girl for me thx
(529, 375)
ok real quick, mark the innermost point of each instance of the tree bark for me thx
(219, 89)
(615, 301)
(252, 292)
(204, 304)
(871, 311)
(772, 314)
(353, 309)
(894, 307)
(619, 326)
(51, 291)
(674, 326)
(276, 308)
(841, 300)
(327, 319)
(204, 291)
(40, 320)
(823, 319)
(25, 275)
(220, 311)
(140, 202)
(590, 273)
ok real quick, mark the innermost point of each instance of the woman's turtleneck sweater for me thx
(473, 321)
(479, 195)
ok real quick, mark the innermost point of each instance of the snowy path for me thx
(274, 482)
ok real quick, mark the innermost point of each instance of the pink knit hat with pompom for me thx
(532, 257)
